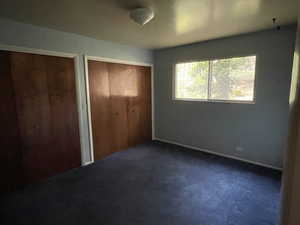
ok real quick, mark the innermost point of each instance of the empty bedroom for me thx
(149, 112)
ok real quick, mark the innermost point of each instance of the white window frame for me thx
(174, 98)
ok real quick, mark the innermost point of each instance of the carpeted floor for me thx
(152, 184)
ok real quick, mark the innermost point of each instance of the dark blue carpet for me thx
(152, 184)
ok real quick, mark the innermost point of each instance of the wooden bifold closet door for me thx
(120, 97)
(40, 133)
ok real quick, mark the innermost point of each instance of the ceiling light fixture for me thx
(141, 15)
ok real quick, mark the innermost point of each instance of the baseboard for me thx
(216, 153)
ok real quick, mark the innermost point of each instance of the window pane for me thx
(191, 80)
(233, 79)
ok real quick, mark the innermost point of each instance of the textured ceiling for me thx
(176, 22)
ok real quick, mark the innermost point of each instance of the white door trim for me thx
(89, 114)
(110, 60)
(76, 57)
(13, 48)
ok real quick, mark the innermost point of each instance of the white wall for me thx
(260, 128)
(30, 36)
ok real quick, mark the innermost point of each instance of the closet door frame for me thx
(78, 83)
(86, 74)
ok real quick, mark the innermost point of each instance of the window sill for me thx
(214, 101)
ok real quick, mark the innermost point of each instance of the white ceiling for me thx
(176, 22)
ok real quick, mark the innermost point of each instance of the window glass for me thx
(233, 79)
(191, 80)
(229, 79)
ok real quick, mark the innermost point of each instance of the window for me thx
(229, 79)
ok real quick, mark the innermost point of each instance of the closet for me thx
(120, 99)
(38, 117)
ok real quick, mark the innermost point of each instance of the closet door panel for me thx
(139, 107)
(100, 108)
(64, 130)
(47, 114)
(135, 125)
(10, 153)
(30, 82)
(120, 98)
(118, 80)
(147, 104)
(135, 110)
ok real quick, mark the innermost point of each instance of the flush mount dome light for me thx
(141, 15)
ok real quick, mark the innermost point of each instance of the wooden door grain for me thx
(120, 98)
(118, 80)
(135, 107)
(139, 107)
(100, 108)
(147, 107)
(30, 82)
(47, 114)
(10, 152)
(64, 115)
